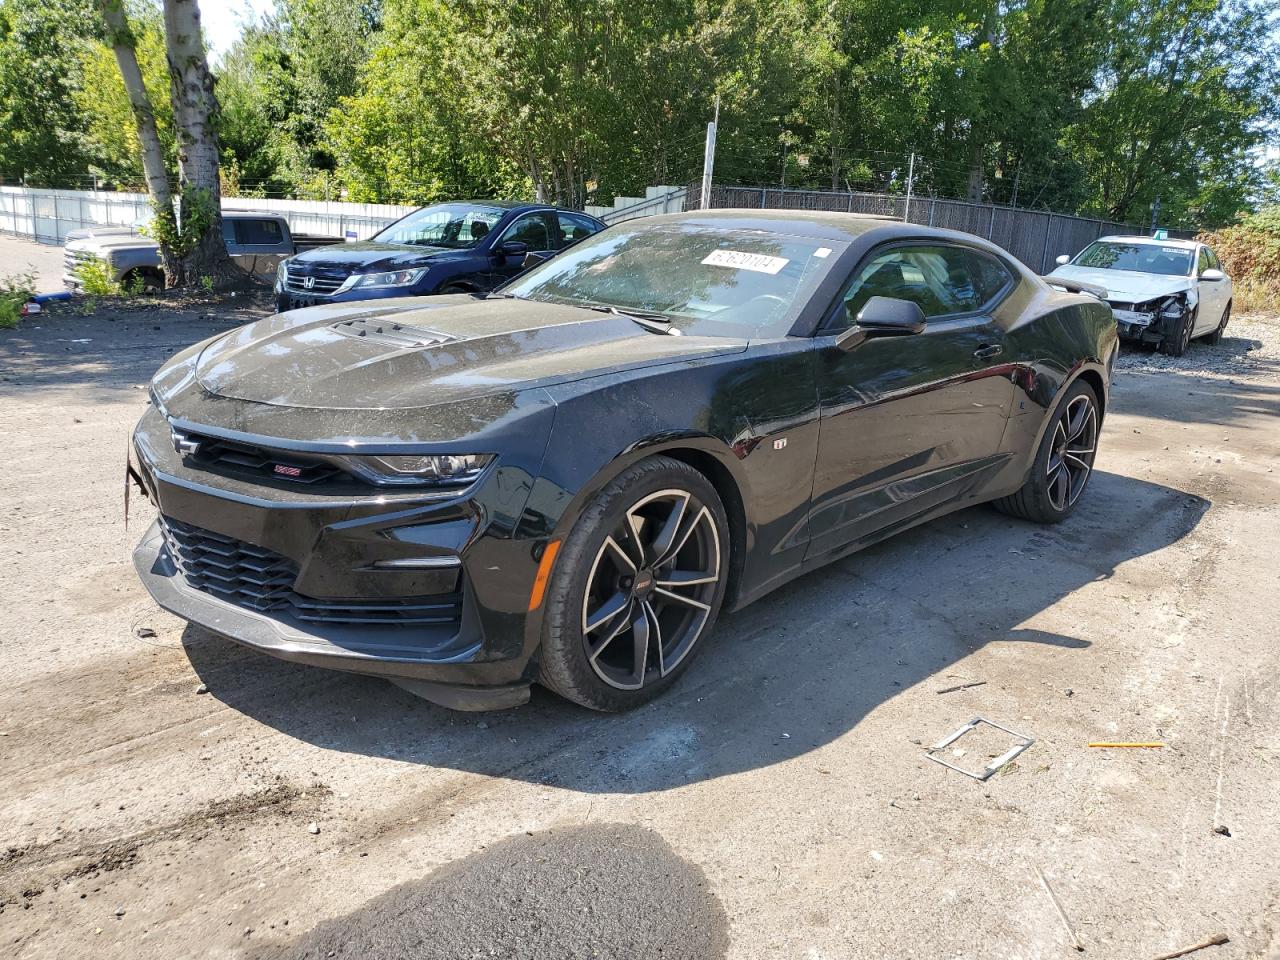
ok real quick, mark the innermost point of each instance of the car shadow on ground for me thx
(1224, 403)
(788, 674)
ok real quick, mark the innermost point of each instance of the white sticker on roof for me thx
(756, 262)
(822, 252)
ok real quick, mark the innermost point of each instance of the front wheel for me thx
(1177, 340)
(1063, 463)
(638, 585)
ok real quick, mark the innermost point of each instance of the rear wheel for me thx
(1063, 463)
(638, 585)
(1175, 341)
(455, 288)
(1216, 336)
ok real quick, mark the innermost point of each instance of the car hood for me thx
(368, 256)
(102, 245)
(1125, 284)
(412, 353)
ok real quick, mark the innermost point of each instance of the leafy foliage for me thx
(15, 290)
(1103, 106)
(1250, 253)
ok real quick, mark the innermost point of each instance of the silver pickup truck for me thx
(256, 241)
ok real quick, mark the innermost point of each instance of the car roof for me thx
(1152, 241)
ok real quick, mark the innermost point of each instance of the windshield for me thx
(1138, 257)
(706, 281)
(453, 225)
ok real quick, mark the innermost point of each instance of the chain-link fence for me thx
(1035, 237)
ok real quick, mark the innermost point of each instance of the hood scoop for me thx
(388, 332)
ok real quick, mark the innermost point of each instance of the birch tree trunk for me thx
(123, 44)
(203, 253)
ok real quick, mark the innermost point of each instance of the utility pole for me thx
(911, 178)
(709, 157)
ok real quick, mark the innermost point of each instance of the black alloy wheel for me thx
(638, 584)
(650, 589)
(1063, 462)
(1074, 446)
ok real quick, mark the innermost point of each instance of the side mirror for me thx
(513, 248)
(1063, 260)
(1212, 275)
(883, 317)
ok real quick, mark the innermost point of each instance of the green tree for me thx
(1186, 90)
(42, 129)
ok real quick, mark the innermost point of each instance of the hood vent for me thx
(391, 333)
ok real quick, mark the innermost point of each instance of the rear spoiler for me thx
(1077, 286)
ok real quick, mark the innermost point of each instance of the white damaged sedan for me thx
(1166, 292)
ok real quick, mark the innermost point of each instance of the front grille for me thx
(259, 579)
(230, 455)
(322, 284)
(73, 260)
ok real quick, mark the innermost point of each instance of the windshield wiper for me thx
(656, 322)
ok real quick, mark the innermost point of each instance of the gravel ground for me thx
(779, 795)
(1249, 350)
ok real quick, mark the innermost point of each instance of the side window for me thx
(265, 232)
(573, 229)
(1214, 262)
(530, 229)
(228, 231)
(1202, 263)
(943, 280)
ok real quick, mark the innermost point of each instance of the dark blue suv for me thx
(446, 248)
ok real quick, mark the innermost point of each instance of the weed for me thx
(15, 290)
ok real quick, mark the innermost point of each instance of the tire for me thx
(1215, 337)
(1043, 498)
(146, 281)
(1175, 343)
(622, 661)
(454, 288)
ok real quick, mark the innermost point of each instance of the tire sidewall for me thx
(563, 664)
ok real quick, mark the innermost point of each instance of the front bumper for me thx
(427, 674)
(296, 300)
(316, 551)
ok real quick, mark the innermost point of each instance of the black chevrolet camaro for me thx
(567, 481)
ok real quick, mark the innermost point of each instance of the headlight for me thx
(396, 278)
(282, 274)
(447, 468)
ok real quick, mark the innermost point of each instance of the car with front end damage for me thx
(568, 480)
(1163, 292)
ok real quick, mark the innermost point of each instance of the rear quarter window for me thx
(263, 232)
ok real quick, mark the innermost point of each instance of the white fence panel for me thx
(49, 215)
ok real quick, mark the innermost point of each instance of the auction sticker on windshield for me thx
(757, 262)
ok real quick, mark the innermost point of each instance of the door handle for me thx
(988, 351)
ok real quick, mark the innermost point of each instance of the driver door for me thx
(912, 421)
(535, 230)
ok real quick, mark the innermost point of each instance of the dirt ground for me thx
(776, 804)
